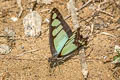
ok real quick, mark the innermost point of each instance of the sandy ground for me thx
(34, 65)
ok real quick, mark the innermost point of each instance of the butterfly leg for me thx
(59, 67)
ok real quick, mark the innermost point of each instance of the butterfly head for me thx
(52, 61)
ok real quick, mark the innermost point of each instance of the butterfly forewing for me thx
(59, 32)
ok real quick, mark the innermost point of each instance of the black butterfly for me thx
(63, 42)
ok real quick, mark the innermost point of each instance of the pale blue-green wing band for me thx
(69, 47)
(55, 23)
(72, 37)
(60, 40)
(54, 16)
(57, 30)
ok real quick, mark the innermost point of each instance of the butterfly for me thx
(63, 42)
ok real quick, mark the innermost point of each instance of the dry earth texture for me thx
(28, 60)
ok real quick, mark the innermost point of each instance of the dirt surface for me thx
(33, 65)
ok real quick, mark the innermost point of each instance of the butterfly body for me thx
(63, 42)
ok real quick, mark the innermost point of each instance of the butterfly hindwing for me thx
(69, 47)
(74, 42)
(59, 32)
